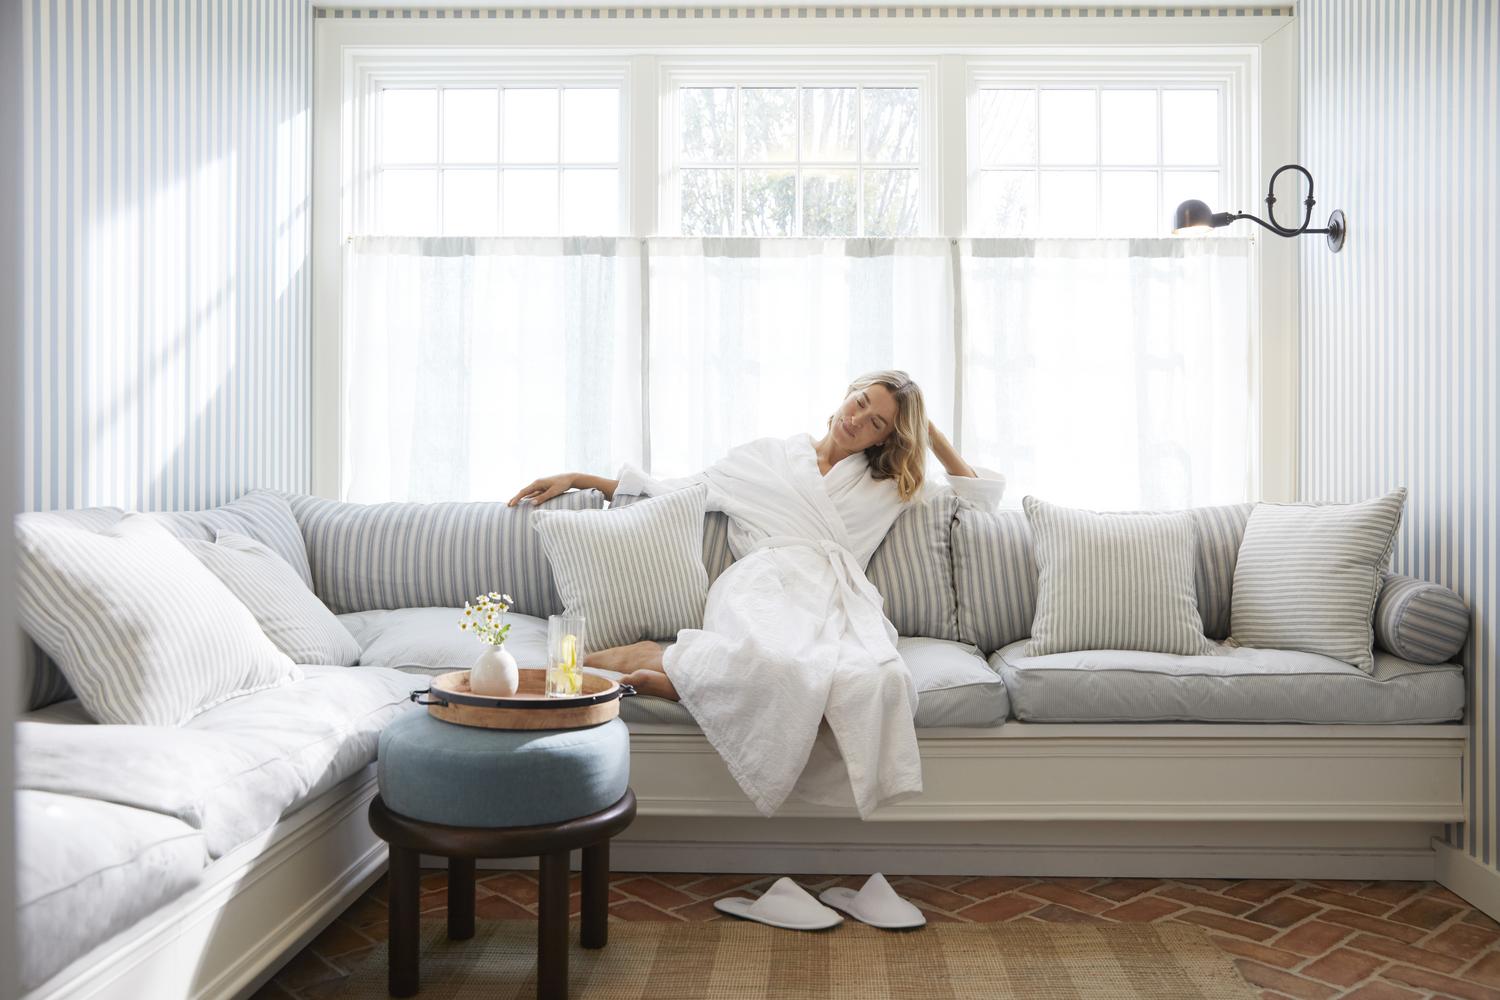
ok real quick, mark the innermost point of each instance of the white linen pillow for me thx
(1308, 576)
(1114, 581)
(144, 633)
(633, 572)
(290, 616)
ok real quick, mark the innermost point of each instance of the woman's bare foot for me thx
(640, 663)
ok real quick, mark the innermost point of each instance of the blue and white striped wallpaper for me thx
(1399, 356)
(166, 347)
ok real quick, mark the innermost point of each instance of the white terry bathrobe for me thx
(793, 633)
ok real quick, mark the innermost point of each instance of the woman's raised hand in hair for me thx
(541, 490)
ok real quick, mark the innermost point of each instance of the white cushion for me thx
(288, 613)
(143, 632)
(634, 572)
(232, 771)
(88, 869)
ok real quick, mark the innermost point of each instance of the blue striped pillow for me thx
(995, 575)
(371, 557)
(1420, 621)
(264, 516)
(913, 570)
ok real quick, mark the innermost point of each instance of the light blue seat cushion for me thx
(464, 776)
(1239, 685)
(88, 869)
(955, 687)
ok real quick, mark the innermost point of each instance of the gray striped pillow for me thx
(42, 683)
(1308, 576)
(373, 557)
(1420, 621)
(1114, 581)
(144, 633)
(994, 571)
(634, 573)
(263, 515)
(288, 613)
(717, 556)
(913, 570)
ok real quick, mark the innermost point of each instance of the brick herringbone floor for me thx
(1298, 939)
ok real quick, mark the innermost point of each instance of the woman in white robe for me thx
(794, 677)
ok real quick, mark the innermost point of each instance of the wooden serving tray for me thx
(529, 708)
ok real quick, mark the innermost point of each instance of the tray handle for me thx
(626, 690)
(416, 696)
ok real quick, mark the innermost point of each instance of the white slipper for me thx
(785, 904)
(876, 904)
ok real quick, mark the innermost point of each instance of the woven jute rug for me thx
(743, 960)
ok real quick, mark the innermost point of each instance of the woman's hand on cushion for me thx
(539, 491)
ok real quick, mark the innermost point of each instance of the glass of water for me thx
(565, 650)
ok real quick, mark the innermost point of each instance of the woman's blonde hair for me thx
(903, 454)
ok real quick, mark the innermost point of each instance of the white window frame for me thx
(1229, 72)
(799, 71)
(957, 46)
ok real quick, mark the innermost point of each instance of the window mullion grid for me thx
(736, 224)
(1161, 173)
(1098, 156)
(797, 229)
(500, 151)
(557, 206)
(859, 159)
(442, 96)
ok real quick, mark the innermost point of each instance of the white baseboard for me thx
(1471, 879)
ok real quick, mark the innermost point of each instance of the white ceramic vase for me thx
(494, 673)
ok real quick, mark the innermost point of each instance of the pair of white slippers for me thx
(787, 904)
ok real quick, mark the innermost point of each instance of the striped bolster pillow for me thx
(634, 573)
(913, 570)
(1420, 621)
(369, 557)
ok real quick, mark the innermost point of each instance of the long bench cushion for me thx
(995, 572)
(230, 772)
(87, 869)
(368, 557)
(1241, 685)
(954, 685)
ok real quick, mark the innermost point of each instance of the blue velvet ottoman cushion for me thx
(464, 776)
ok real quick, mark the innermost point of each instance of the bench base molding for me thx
(255, 908)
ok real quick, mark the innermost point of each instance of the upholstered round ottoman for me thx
(465, 793)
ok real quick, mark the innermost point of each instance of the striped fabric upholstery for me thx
(42, 683)
(995, 571)
(1308, 576)
(1114, 581)
(288, 613)
(1420, 621)
(913, 570)
(144, 633)
(372, 557)
(263, 515)
(633, 573)
(716, 554)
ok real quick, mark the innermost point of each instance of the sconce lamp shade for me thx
(1192, 214)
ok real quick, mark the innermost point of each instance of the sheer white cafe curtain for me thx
(472, 366)
(1104, 373)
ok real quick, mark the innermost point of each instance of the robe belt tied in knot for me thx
(866, 610)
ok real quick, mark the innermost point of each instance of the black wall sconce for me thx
(1193, 214)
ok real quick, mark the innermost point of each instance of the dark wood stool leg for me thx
(552, 928)
(460, 899)
(404, 921)
(595, 895)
